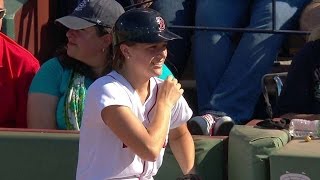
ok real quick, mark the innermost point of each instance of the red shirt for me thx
(17, 68)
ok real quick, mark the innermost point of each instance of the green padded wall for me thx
(38, 156)
(53, 156)
(210, 160)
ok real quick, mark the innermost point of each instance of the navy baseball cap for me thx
(142, 25)
(92, 12)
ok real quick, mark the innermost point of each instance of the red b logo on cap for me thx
(162, 25)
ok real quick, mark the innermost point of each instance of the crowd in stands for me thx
(84, 84)
(228, 65)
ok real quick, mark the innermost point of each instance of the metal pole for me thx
(270, 31)
(252, 30)
(274, 15)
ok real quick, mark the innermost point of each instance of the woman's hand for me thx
(170, 91)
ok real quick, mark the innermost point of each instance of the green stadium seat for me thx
(249, 150)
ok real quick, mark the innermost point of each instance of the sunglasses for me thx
(2, 13)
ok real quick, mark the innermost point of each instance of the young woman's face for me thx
(86, 46)
(147, 58)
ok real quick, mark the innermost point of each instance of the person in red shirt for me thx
(17, 68)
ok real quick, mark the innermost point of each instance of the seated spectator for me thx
(300, 96)
(17, 68)
(57, 92)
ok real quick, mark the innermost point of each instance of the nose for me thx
(163, 53)
(70, 33)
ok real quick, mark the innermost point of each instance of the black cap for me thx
(93, 12)
(142, 25)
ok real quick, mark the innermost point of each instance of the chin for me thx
(72, 55)
(156, 74)
(69, 53)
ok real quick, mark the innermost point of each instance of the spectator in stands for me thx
(58, 90)
(17, 68)
(229, 68)
(300, 96)
(129, 114)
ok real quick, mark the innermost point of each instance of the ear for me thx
(107, 40)
(125, 50)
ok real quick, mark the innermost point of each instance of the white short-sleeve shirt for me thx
(102, 155)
